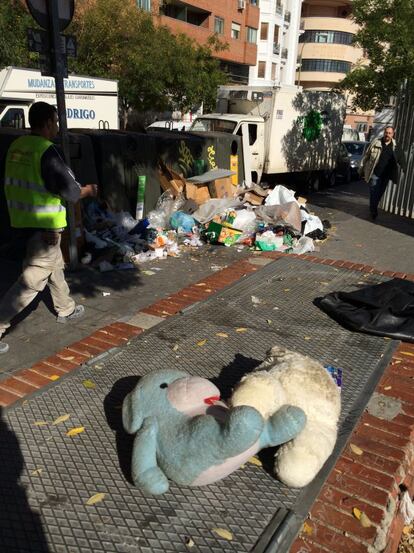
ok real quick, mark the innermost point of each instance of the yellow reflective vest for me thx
(30, 205)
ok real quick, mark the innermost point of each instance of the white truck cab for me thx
(91, 103)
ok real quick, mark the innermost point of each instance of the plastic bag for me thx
(210, 208)
(280, 195)
(125, 220)
(245, 220)
(304, 245)
(166, 206)
(181, 220)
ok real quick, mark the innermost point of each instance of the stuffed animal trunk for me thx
(287, 377)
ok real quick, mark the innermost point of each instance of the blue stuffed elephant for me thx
(185, 434)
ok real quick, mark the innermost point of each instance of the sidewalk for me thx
(376, 472)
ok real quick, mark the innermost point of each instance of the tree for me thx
(156, 70)
(14, 20)
(386, 36)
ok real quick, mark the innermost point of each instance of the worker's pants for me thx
(377, 187)
(42, 265)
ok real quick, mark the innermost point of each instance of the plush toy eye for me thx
(164, 385)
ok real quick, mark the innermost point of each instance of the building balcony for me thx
(329, 24)
(276, 48)
(279, 9)
(287, 17)
(284, 53)
(316, 50)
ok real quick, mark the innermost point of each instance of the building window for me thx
(329, 66)
(254, 2)
(251, 35)
(274, 66)
(264, 29)
(219, 25)
(261, 69)
(235, 30)
(144, 5)
(328, 37)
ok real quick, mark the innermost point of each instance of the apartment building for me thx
(277, 43)
(236, 22)
(326, 52)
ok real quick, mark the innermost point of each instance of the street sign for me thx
(39, 11)
(38, 41)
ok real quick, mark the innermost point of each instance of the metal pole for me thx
(59, 70)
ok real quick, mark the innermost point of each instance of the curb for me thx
(377, 459)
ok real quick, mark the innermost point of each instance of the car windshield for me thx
(213, 125)
(355, 148)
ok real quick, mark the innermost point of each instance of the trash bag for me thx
(385, 309)
(183, 221)
(165, 207)
(210, 208)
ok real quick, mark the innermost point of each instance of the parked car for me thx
(356, 150)
(343, 165)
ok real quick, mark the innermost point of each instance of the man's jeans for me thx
(377, 186)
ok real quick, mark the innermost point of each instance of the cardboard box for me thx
(199, 193)
(253, 198)
(222, 188)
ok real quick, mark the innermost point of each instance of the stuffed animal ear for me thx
(132, 418)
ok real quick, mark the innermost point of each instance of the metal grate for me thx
(46, 511)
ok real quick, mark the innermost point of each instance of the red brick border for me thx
(379, 455)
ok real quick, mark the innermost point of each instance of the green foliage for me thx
(14, 20)
(386, 36)
(155, 69)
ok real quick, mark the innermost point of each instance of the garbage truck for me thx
(289, 135)
(91, 103)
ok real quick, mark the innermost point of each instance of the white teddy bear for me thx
(287, 377)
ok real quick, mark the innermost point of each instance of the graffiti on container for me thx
(185, 160)
(211, 157)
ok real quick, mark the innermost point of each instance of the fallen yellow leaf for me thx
(407, 353)
(54, 377)
(223, 533)
(175, 348)
(201, 284)
(74, 431)
(365, 521)
(356, 512)
(307, 337)
(269, 321)
(60, 419)
(286, 290)
(202, 343)
(40, 423)
(307, 528)
(387, 387)
(255, 461)
(36, 472)
(71, 358)
(222, 335)
(355, 449)
(89, 384)
(406, 530)
(95, 498)
(241, 329)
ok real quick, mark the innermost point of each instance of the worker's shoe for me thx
(4, 348)
(77, 313)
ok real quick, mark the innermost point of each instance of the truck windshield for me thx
(213, 125)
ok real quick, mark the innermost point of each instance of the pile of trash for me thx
(186, 216)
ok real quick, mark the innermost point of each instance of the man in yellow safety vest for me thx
(36, 181)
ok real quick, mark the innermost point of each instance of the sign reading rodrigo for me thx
(80, 113)
(69, 84)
